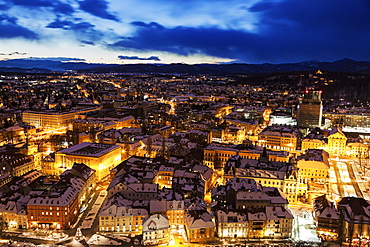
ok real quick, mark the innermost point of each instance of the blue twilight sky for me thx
(189, 31)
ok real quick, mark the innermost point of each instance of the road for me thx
(346, 180)
(354, 180)
(338, 182)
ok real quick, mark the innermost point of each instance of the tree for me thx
(363, 161)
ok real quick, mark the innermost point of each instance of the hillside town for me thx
(182, 160)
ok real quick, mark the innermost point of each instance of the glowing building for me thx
(200, 227)
(118, 216)
(337, 142)
(231, 225)
(216, 156)
(174, 210)
(52, 119)
(56, 206)
(156, 230)
(280, 137)
(100, 157)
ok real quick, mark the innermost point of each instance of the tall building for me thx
(309, 113)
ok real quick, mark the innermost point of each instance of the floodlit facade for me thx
(100, 157)
(279, 223)
(216, 156)
(13, 213)
(279, 137)
(227, 134)
(337, 142)
(173, 210)
(52, 119)
(57, 207)
(156, 230)
(314, 165)
(200, 227)
(312, 144)
(358, 150)
(16, 164)
(121, 219)
(164, 177)
(231, 225)
(349, 119)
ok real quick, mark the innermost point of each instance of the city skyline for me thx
(92, 159)
(112, 31)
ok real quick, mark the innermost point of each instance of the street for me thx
(344, 179)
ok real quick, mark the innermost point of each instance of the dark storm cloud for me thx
(10, 29)
(97, 8)
(4, 7)
(63, 8)
(69, 25)
(85, 32)
(287, 31)
(153, 58)
(181, 40)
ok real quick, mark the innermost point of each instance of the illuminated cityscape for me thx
(180, 160)
(206, 123)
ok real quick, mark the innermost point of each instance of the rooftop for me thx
(89, 149)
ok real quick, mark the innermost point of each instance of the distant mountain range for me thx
(45, 66)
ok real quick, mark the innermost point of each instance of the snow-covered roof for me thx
(276, 213)
(231, 217)
(329, 213)
(259, 216)
(245, 184)
(155, 222)
(197, 221)
(89, 149)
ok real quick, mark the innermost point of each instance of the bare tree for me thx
(363, 161)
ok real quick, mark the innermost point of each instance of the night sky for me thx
(189, 31)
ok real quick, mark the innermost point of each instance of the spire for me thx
(264, 158)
